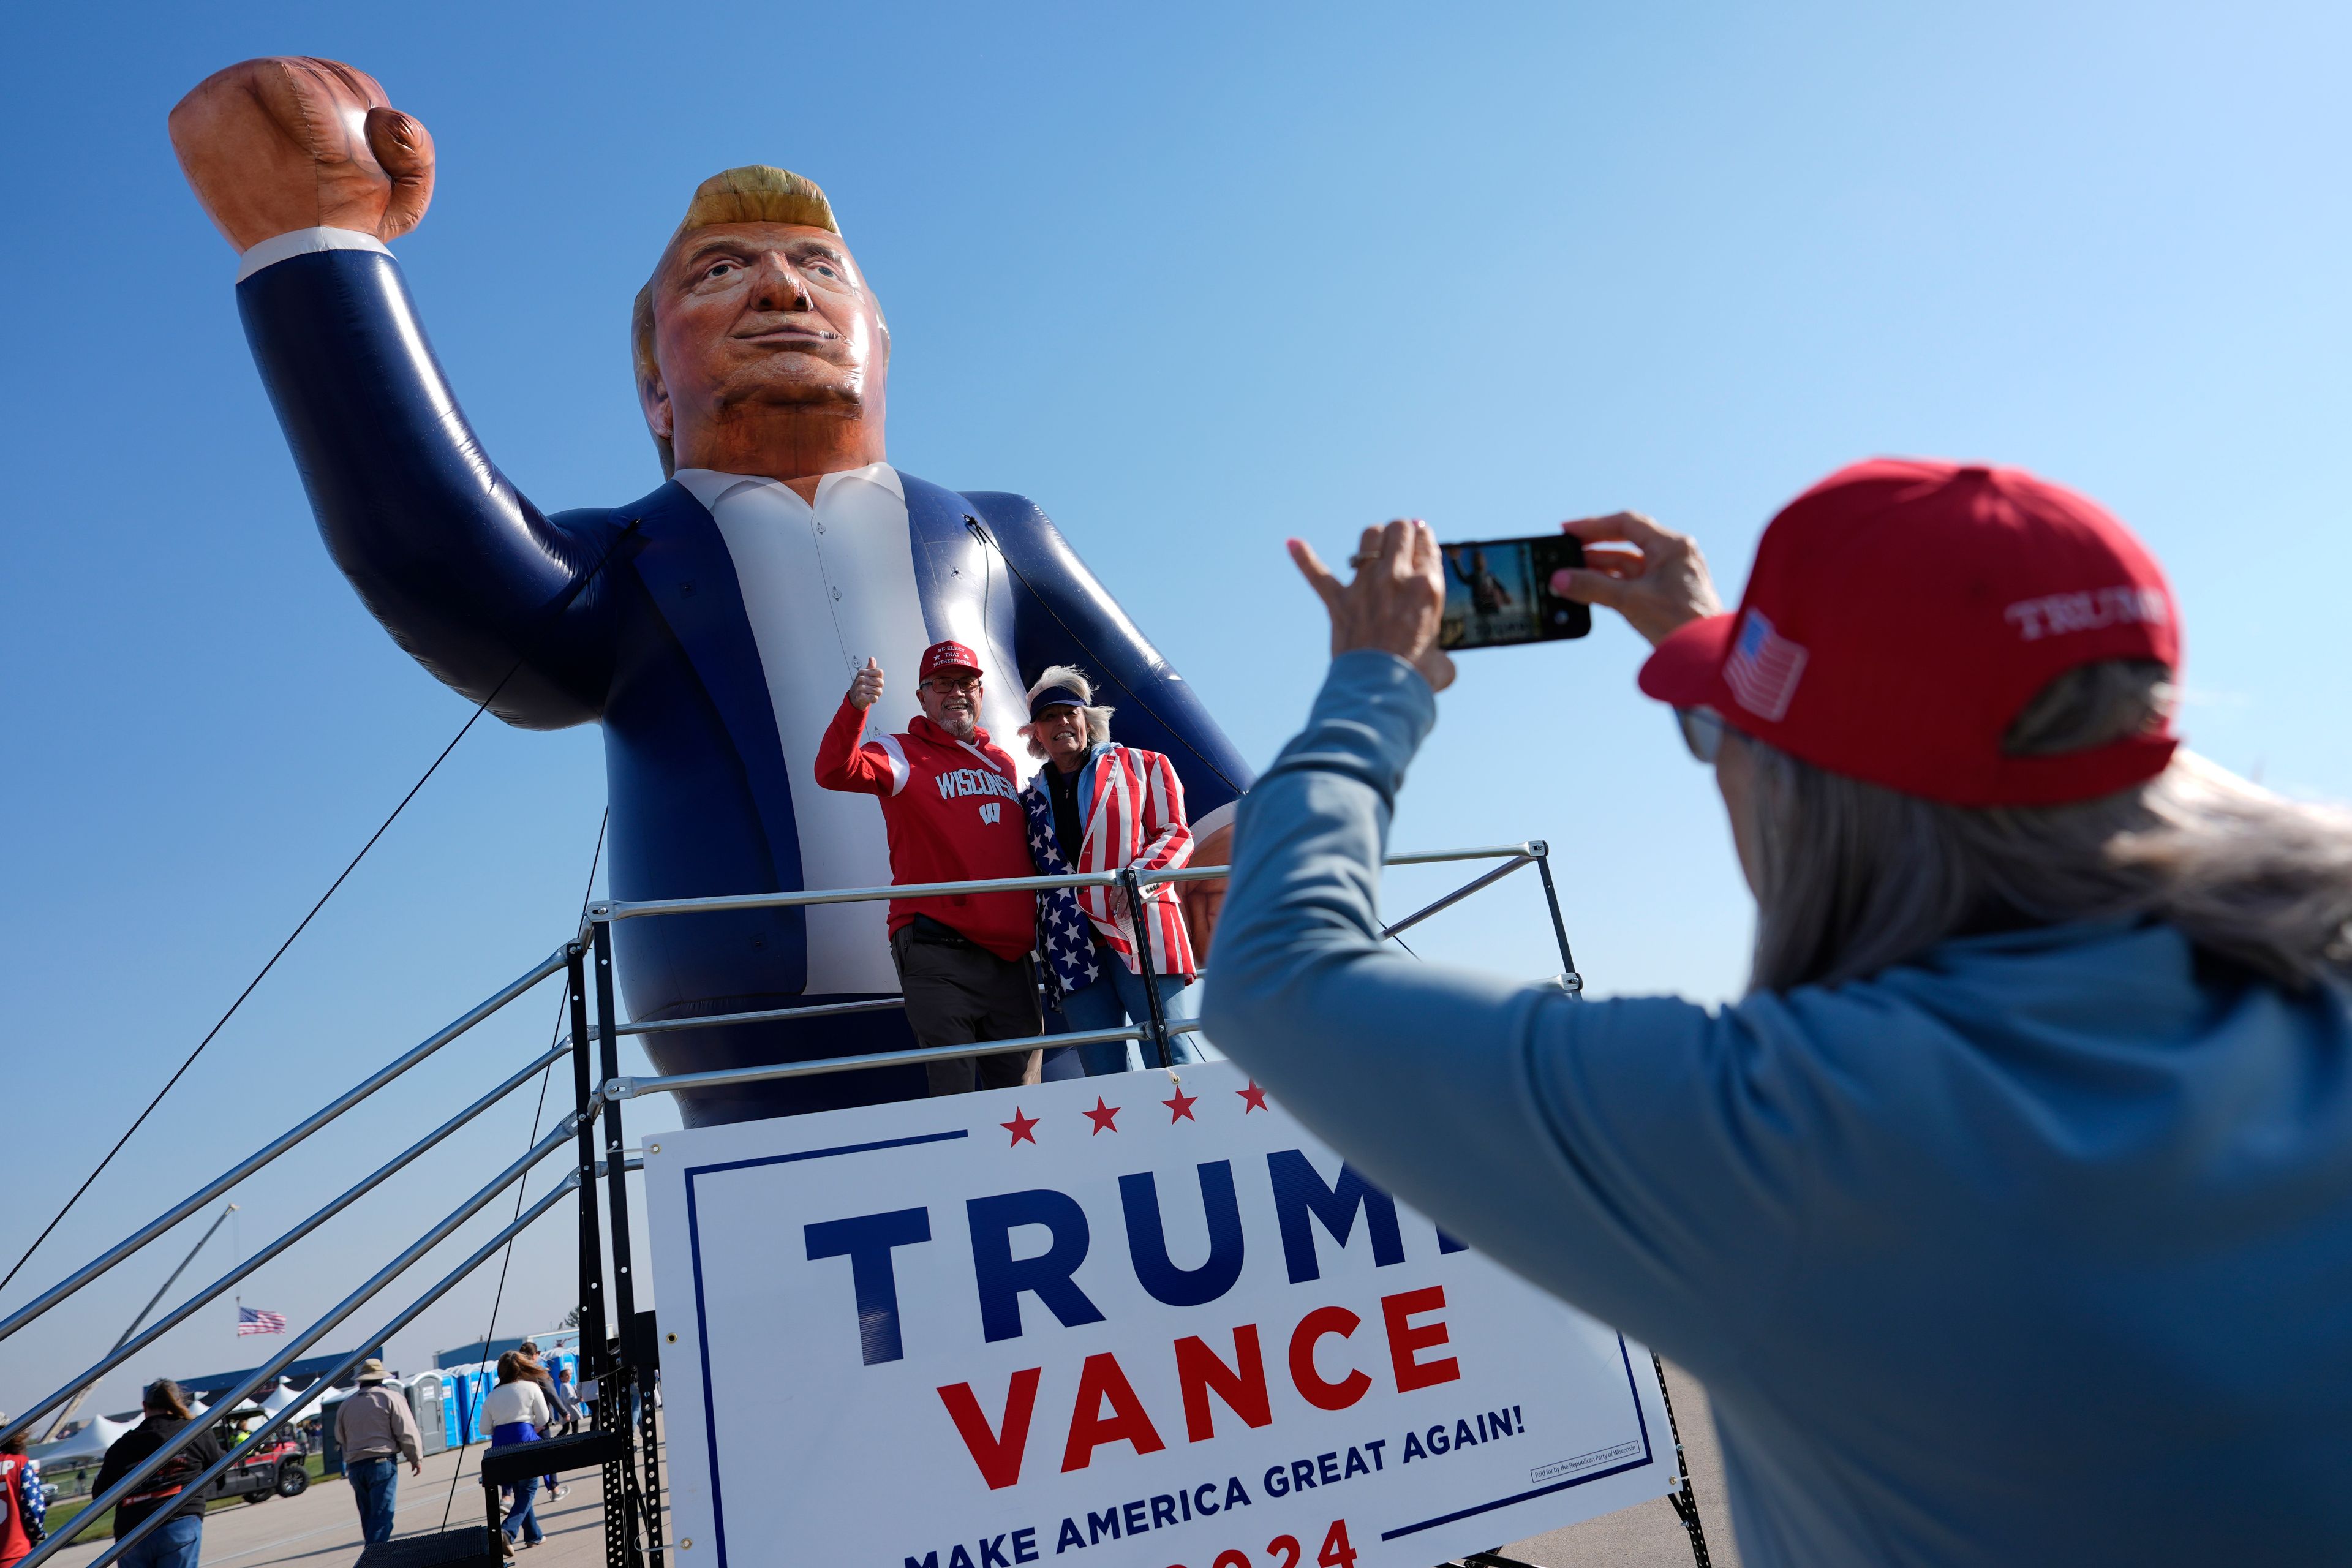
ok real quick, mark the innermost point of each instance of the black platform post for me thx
(646, 1361)
(592, 1329)
(617, 1392)
(1159, 1020)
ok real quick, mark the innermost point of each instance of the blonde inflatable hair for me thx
(756, 192)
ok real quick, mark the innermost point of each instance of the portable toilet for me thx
(569, 1360)
(458, 1395)
(425, 1403)
(470, 1386)
(331, 1450)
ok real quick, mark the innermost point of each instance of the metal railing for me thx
(220, 1287)
(265, 1376)
(277, 1146)
(634, 1532)
(1533, 852)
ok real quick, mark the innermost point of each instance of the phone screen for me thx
(1498, 592)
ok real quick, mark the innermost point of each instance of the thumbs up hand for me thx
(865, 686)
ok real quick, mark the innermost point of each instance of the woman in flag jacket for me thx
(1097, 805)
(23, 1503)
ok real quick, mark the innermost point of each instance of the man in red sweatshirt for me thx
(951, 804)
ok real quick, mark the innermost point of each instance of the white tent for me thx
(278, 1398)
(90, 1442)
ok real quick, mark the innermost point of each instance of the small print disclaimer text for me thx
(1560, 1468)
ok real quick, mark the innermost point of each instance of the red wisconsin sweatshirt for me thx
(953, 812)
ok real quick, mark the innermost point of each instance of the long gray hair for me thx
(1070, 676)
(1855, 877)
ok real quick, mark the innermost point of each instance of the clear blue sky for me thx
(1195, 278)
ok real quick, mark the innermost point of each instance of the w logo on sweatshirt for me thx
(990, 810)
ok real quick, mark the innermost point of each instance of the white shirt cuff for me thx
(303, 242)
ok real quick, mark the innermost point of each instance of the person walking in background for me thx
(23, 1507)
(376, 1431)
(1099, 806)
(517, 1412)
(951, 801)
(567, 1403)
(179, 1542)
(536, 1369)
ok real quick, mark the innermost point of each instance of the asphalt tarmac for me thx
(1649, 1535)
(320, 1528)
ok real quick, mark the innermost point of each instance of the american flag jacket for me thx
(1134, 816)
(1063, 928)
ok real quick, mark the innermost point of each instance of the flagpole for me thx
(83, 1393)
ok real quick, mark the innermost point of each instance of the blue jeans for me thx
(374, 1483)
(1117, 1000)
(521, 1518)
(175, 1545)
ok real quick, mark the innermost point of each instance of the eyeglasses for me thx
(1702, 731)
(945, 687)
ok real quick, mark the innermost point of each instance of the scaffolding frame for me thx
(619, 1348)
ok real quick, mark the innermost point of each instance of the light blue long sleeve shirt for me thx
(2038, 1249)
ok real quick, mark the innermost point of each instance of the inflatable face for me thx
(769, 354)
(711, 627)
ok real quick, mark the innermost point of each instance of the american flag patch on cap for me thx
(1763, 668)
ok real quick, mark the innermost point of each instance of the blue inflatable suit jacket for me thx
(632, 616)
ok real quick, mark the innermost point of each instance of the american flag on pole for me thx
(253, 1321)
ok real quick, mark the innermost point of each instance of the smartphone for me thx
(1498, 592)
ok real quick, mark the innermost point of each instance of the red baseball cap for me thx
(942, 656)
(1902, 613)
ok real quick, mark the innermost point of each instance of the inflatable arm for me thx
(1063, 615)
(465, 574)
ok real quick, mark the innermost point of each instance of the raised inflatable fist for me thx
(285, 143)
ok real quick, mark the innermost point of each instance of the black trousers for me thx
(958, 994)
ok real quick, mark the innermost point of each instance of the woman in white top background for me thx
(516, 1411)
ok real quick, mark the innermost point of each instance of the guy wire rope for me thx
(278, 1145)
(489, 1330)
(562, 603)
(128, 1347)
(261, 1433)
(267, 1372)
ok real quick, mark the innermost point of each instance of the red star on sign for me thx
(1253, 1098)
(1022, 1127)
(1101, 1117)
(1180, 1107)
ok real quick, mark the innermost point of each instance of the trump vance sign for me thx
(1139, 1321)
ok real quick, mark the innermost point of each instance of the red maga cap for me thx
(942, 656)
(1902, 613)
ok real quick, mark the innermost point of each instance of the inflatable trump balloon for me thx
(711, 627)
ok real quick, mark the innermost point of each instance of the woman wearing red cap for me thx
(2009, 1218)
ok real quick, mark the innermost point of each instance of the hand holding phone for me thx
(1660, 584)
(1394, 601)
(1498, 593)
